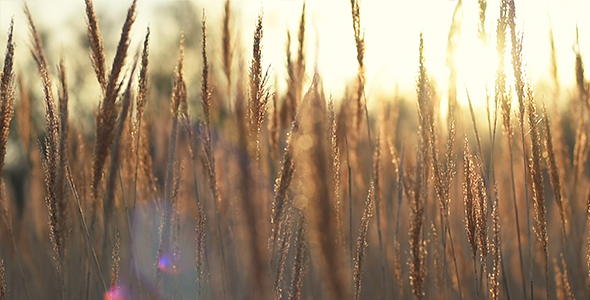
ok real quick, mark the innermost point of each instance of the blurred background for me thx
(391, 29)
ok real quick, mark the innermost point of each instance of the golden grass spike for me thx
(469, 198)
(142, 94)
(6, 95)
(259, 92)
(115, 152)
(554, 175)
(537, 184)
(300, 63)
(106, 117)
(359, 38)
(97, 54)
(51, 162)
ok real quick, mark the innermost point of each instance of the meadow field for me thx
(221, 179)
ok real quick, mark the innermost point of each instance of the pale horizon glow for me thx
(391, 29)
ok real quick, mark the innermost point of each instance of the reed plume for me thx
(554, 175)
(209, 160)
(106, 117)
(537, 184)
(140, 103)
(418, 190)
(296, 73)
(115, 162)
(259, 92)
(97, 55)
(51, 161)
(6, 94)
(359, 39)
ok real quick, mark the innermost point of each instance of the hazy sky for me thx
(391, 27)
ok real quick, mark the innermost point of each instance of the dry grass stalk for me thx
(474, 201)
(282, 184)
(588, 236)
(581, 143)
(562, 286)
(226, 47)
(437, 262)
(206, 133)
(259, 92)
(506, 110)
(283, 251)
(554, 174)
(537, 184)
(418, 191)
(97, 54)
(205, 89)
(361, 243)
(496, 246)
(6, 95)
(452, 45)
(200, 247)
(141, 101)
(209, 160)
(106, 117)
(417, 244)
(51, 164)
(115, 162)
(481, 28)
(296, 73)
(142, 94)
(519, 85)
(469, 198)
(116, 260)
(2, 281)
(581, 84)
(273, 127)
(335, 157)
(23, 115)
(63, 141)
(378, 196)
(359, 39)
(301, 259)
(287, 111)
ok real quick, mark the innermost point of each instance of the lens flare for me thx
(115, 293)
(166, 264)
